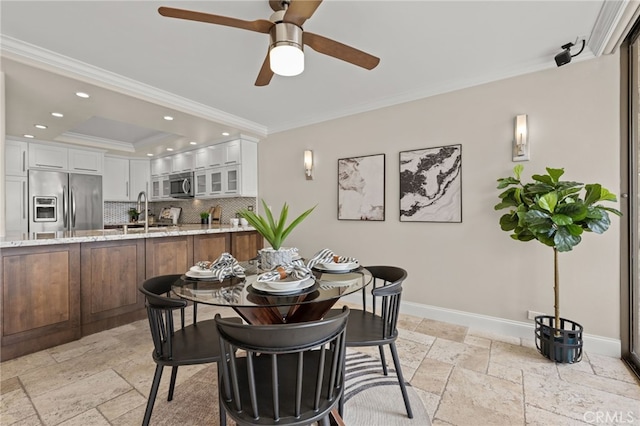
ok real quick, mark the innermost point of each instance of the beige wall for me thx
(471, 266)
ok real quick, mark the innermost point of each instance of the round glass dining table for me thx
(258, 303)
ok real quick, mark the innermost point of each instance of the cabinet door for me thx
(16, 203)
(40, 298)
(160, 166)
(111, 299)
(183, 162)
(210, 246)
(116, 179)
(166, 188)
(15, 158)
(169, 255)
(245, 245)
(139, 174)
(231, 179)
(48, 157)
(86, 161)
(216, 155)
(215, 181)
(156, 184)
(202, 159)
(233, 152)
(201, 183)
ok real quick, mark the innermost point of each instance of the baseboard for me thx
(524, 330)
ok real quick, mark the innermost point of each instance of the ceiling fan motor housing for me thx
(285, 34)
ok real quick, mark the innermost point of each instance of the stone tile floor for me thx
(464, 376)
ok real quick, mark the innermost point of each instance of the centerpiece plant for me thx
(553, 212)
(274, 231)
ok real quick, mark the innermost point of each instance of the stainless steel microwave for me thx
(181, 185)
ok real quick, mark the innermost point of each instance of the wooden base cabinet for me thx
(111, 274)
(210, 246)
(245, 245)
(39, 298)
(169, 255)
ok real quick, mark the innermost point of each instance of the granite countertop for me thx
(68, 237)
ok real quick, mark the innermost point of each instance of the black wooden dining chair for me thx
(378, 326)
(196, 343)
(290, 374)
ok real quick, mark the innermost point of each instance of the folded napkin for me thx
(296, 270)
(327, 256)
(223, 267)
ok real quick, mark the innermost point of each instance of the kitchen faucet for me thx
(146, 209)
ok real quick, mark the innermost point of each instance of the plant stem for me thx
(556, 291)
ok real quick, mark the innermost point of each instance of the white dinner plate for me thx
(198, 270)
(200, 275)
(263, 286)
(337, 267)
(339, 280)
(287, 283)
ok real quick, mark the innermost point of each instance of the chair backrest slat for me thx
(282, 371)
(387, 286)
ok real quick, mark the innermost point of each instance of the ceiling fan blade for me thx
(341, 51)
(259, 25)
(300, 10)
(265, 74)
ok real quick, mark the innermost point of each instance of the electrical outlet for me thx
(533, 314)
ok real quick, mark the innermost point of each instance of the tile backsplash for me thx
(116, 212)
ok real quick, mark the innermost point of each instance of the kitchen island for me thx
(58, 287)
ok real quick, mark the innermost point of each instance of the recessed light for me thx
(82, 95)
(193, 143)
(225, 133)
(168, 117)
(57, 114)
(29, 136)
(39, 126)
(169, 149)
(149, 155)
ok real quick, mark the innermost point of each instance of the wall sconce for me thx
(521, 148)
(308, 164)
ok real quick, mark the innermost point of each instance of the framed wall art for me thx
(361, 187)
(431, 184)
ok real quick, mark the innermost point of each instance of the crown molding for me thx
(612, 25)
(30, 54)
(109, 144)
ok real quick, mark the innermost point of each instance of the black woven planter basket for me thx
(566, 347)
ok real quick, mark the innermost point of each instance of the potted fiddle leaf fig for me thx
(557, 214)
(274, 232)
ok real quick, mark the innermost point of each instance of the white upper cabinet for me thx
(115, 183)
(233, 151)
(234, 175)
(161, 166)
(15, 158)
(139, 176)
(48, 157)
(59, 158)
(82, 161)
(183, 162)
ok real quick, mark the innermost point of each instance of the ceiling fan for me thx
(285, 55)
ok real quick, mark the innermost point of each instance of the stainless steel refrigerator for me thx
(64, 201)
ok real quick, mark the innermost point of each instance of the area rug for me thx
(371, 398)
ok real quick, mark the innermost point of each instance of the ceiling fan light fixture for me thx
(286, 57)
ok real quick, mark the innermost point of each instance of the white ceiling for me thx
(139, 66)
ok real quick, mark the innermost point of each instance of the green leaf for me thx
(504, 182)
(555, 173)
(593, 193)
(576, 230)
(599, 225)
(576, 211)
(543, 178)
(548, 201)
(517, 171)
(564, 240)
(561, 219)
(508, 222)
(605, 195)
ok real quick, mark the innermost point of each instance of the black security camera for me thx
(565, 56)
